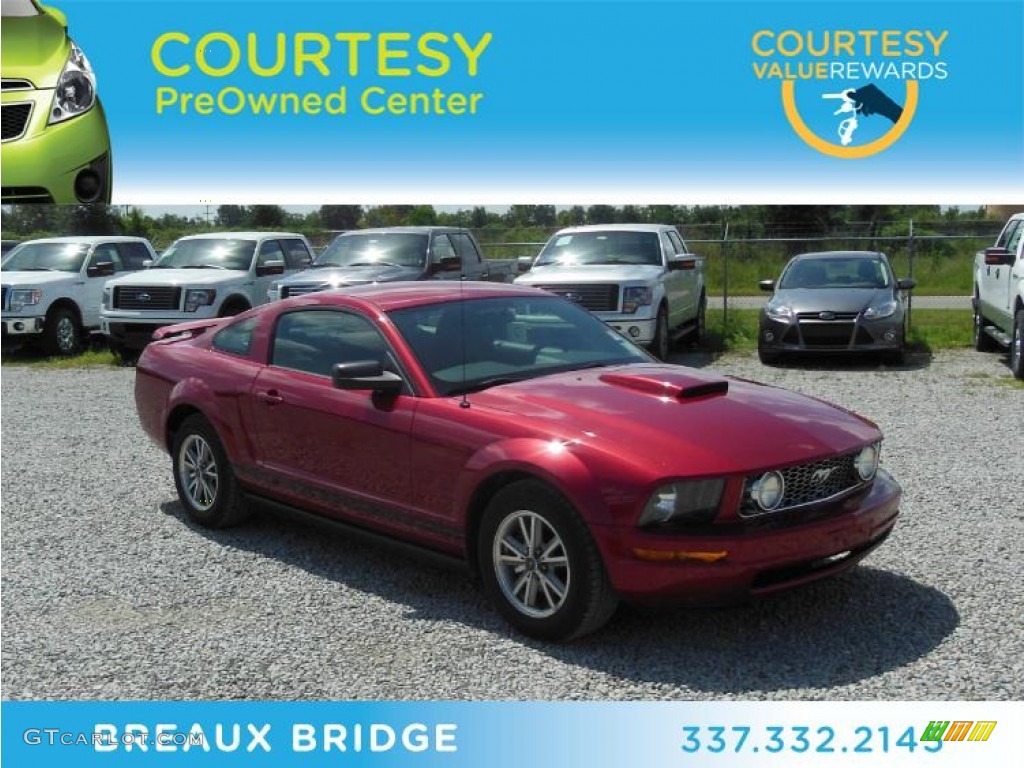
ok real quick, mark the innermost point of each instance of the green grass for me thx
(930, 329)
(91, 358)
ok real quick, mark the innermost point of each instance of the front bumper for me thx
(638, 330)
(759, 560)
(21, 326)
(852, 335)
(43, 164)
(134, 334)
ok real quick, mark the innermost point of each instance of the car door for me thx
(473, 266)
(673, 281)
(345, 453)
(689, 294)
(1011, 275)
(441, 248)
(994, 288)
(92, 287)
(270, 251)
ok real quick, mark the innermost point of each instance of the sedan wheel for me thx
(203, 477)
(540, 565)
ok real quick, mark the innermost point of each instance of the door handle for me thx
(270, 397)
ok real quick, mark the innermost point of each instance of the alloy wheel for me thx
(197, 469)
(531, 563)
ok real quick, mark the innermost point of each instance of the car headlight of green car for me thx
(56, 146)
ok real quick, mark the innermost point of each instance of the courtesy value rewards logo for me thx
(850, 93)
(958, 730)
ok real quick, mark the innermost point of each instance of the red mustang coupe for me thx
(513, 430)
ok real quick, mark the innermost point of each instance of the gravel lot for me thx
(109, 593)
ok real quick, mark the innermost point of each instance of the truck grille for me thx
(596, 298)
(147, 297)
(5, 290)
(301, 289)
(14, 120)
(807, 484)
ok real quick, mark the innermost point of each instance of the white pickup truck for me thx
(52, 287)
(641, 279)
(198, 277)
(999, 294)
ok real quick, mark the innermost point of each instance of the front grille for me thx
(826, 334)
(16, 84)
(147, 297)
(829, 316)
(26, 195)
(302, 289)
(807, 484)
(596, 298)
(14, 120)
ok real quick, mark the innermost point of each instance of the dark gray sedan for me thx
(835, 301)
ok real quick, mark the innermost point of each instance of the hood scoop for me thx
(681, 386)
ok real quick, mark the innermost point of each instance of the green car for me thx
(56, 148)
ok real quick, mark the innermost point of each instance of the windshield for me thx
(208, 252)
(18, 8)
(611, 247)
(853, 272)
(46, 257)
(471, 345)
(401, 249)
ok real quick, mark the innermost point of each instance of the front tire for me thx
(62, 336)
(1016, 343)
(202, 475)
(700, 328)
(982, 341)
(660, 343)
(540, 565)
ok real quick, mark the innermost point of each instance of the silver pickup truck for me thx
(999, 294)
(641, 279)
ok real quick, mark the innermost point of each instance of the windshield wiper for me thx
(494, 381)
(202, 266)
(34, 269)
(372, 264)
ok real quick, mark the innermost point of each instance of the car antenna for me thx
(462, 322)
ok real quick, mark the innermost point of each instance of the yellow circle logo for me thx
(847, 152)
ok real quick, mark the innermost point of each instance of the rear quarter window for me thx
(236, 339)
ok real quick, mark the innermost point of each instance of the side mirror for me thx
(447, 264)
(524, 263)
(998, 256)
(366, 374)
(270, 268)
(906, 283)
(101, 269)
(147, 263)
(682, 261)
(766, 285)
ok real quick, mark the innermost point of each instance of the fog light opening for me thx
(88, 186)
(769, 336)
(890, 336)
(634, 331)
(19, 326)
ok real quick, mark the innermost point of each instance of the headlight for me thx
(635, 297)
(882, 310)
(24, 297)
(273, 292)
(105, 300)
(76, 89)
(779, 311)
(867, 462)
(196, 298)
(768, 490)
(688, 501)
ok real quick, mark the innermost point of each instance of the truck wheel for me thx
(699, 330)
(202, 475)
(233, 308)
(660, 342)
(1016, 353)
(61, 334)
(540, 565)
(982, 341)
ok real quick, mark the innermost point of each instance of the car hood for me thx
(832, 299)
(353, 275)
(186, 277)
(34, 48)
(30, 279)
(591, 273)
(672, 420)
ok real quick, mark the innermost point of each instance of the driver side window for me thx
(106, 252)
(313, 340)
(270, 250)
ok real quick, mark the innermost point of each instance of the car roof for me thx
(615, 228)
(238, 235)
(91, 239)
(419, 230)
(399, 295)
(840, 255)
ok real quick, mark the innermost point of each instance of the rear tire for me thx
(540, 565)
(202, 475)
(982, 341)
(1016, 343)
(62, 335)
